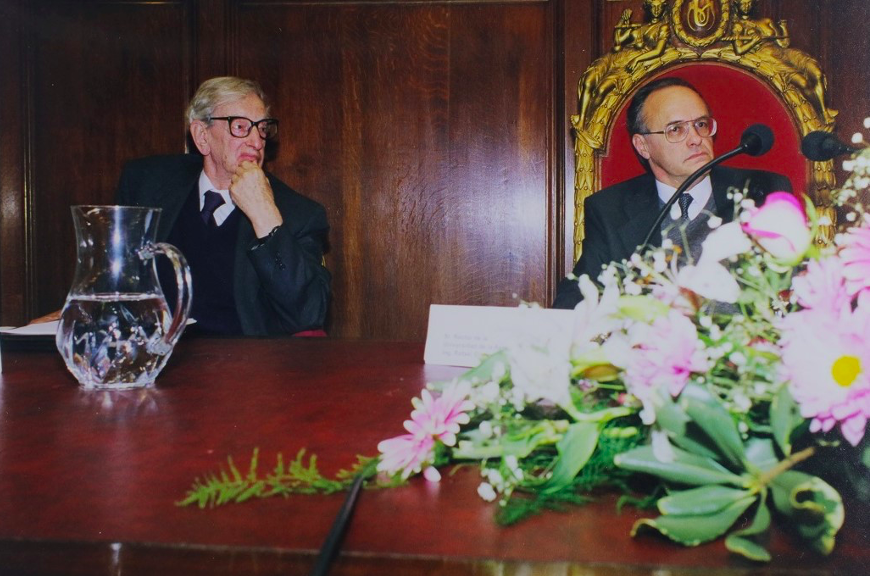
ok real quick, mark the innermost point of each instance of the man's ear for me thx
(198, 135)
(641, 146)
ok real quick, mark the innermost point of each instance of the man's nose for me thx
(693, 138)
(254, 139)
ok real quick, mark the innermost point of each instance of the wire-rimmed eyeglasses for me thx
(705, 126)
(240, 126)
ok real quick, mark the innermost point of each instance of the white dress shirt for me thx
(701, 193)
(222, 212)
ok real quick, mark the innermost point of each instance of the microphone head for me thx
(820, 146)
(756, 140)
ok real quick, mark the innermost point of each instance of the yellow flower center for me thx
(845, 370)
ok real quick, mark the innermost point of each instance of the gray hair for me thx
(221, 90)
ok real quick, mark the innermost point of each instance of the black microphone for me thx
(820, 146)
(756, 140)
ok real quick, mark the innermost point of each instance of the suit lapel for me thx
(641, 210)
(172, 193)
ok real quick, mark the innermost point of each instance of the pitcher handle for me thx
(183, 291)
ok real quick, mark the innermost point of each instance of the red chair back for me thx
(737, 100)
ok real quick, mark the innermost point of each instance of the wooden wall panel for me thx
(109, 83)
(425, 129)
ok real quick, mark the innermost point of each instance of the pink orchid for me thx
(665, 354)
(854, 252)
(779, 227)
(827, 363)
(434, 418)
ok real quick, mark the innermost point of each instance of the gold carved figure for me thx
(633, 43)
(795, 68)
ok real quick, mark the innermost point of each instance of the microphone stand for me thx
(684, 186)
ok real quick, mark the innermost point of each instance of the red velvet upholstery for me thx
(737, 100)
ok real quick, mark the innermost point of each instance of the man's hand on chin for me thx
(252, 193)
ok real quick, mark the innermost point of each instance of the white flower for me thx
(431, 474)
(486, 492)
(711, 280)
(542, 373)
(486, 429)
(594, 316)
(661, 447)
(724, 242)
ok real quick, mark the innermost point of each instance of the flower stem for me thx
(786, 464)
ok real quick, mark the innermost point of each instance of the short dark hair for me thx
(635, 121)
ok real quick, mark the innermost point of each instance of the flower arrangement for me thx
(713, 380)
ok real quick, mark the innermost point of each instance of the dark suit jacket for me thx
(280, 287)
(618, 218)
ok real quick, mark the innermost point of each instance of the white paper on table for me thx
(462, 335)
(39, 329)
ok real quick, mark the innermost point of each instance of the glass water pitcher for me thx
(116, 330)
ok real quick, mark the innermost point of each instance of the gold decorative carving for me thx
(699, 23)
(644, 49)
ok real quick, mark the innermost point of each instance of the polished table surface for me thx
(89, 480)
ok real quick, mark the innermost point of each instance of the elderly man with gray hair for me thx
(254, 245)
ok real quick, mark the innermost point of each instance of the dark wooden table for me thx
(88, 480)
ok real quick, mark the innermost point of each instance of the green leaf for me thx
(784, 418)
(700, 501)
(641, 308)
(739, 542)
(814, 507)
(484, 372)
(685, 468)
(519, 443)
(574, 450)
(759, 452)
(693, 530)
(716, 422)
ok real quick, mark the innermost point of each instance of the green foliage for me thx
(599, 472)
(729, 476)
(300, 476)
(574, 450)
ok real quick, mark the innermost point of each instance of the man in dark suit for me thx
(254, 245)
(672, 131)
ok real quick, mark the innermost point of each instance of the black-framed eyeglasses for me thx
(705, 126)
(240, 126)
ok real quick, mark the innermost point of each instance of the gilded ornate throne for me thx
(743, 67)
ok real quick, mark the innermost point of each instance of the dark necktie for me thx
(685, 201)
(211, 202)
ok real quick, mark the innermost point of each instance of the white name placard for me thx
(462, 335)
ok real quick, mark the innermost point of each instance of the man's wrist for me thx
(261, 241)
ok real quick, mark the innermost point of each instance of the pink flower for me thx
(854, 252)
(821, 287)
(406, 454)
(779, 227)
(827, 362)
(441, 416)
(434, 418)
(664, 354)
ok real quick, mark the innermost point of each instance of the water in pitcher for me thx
(114, 340)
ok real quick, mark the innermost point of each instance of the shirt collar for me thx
(205, 185)
(700, 192)
(221, 213)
